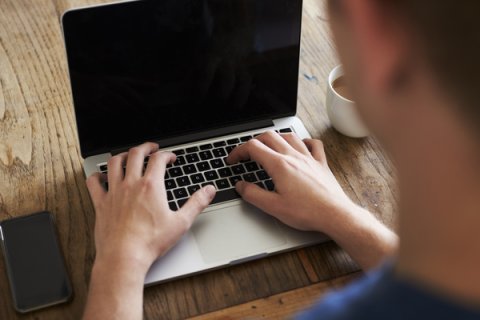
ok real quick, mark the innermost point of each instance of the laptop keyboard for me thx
(205, 164)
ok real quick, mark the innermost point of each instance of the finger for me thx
(265, 200)
(256, 151)
(136, 159)
(293, 140)
(316, 149)
(196, 204)
(275, 142)
(115, 169)
(95, 188)
(157, 164)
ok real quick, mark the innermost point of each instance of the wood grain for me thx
(41, 169)
(279, 306)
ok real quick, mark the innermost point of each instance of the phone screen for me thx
(35, 265)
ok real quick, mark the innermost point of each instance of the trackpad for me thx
(235, 232)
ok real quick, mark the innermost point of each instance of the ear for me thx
(380, 41)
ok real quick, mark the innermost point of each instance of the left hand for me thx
(134, 224)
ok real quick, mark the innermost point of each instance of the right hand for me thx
(307, 196)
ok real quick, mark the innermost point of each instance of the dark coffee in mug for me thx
(340, 87)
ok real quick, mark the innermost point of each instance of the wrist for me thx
(119, 270)
(123, 260)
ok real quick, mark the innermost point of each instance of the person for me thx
(413, 68)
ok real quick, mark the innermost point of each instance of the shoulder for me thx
(380, 295)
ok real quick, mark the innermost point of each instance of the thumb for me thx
(265, 200)
(197, 203)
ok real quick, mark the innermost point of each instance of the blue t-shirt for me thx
(382, 295)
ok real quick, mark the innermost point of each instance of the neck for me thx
(440, 211)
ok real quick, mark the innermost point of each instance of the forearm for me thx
(362, 236)
(116, 292)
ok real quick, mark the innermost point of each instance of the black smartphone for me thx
(35, 265)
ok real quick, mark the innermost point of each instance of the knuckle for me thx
(113, 160)
(270, 134)
(152, 144)
(254, 143)
(135, 151)
(281, 164)
(149, 183)
(156, 156)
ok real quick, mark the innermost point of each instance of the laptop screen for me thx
(150, 70)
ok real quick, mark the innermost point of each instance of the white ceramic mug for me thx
(342, 112)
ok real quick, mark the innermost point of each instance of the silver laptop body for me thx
(123, 96)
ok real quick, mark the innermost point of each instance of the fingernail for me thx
(210, 191)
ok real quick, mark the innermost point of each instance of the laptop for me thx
(199, 77)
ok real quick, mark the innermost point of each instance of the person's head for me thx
(407, 59)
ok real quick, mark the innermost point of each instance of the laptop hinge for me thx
(164, 143)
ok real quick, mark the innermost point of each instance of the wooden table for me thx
(41, 169)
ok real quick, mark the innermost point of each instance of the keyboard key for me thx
(189, 169)
(197, 178)
(170, 184)
(191, 158)
(206, 146)
(225, 172)
(249, 177)
(233, 141)
(183, 181)
(175, 172)
(225, 195)
(181, 202)
(167, 176)
(173, 206)
(193, 189)
(216, 163)
(269, 184)
(238, 169)
(180, 193)
(179, 152)
(219, 144)
(205, 155)
(235, 179)
(260, 184)
(220, 152)
(211, 175)
(262, 175)
(222, 184)
(202, 166)
(192, 149)
(286, 130)
(245, 138)
(230, 148)
(169, 195)
(180, 161)
(251, 166)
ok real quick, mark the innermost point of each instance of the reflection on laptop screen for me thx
(155, 69)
